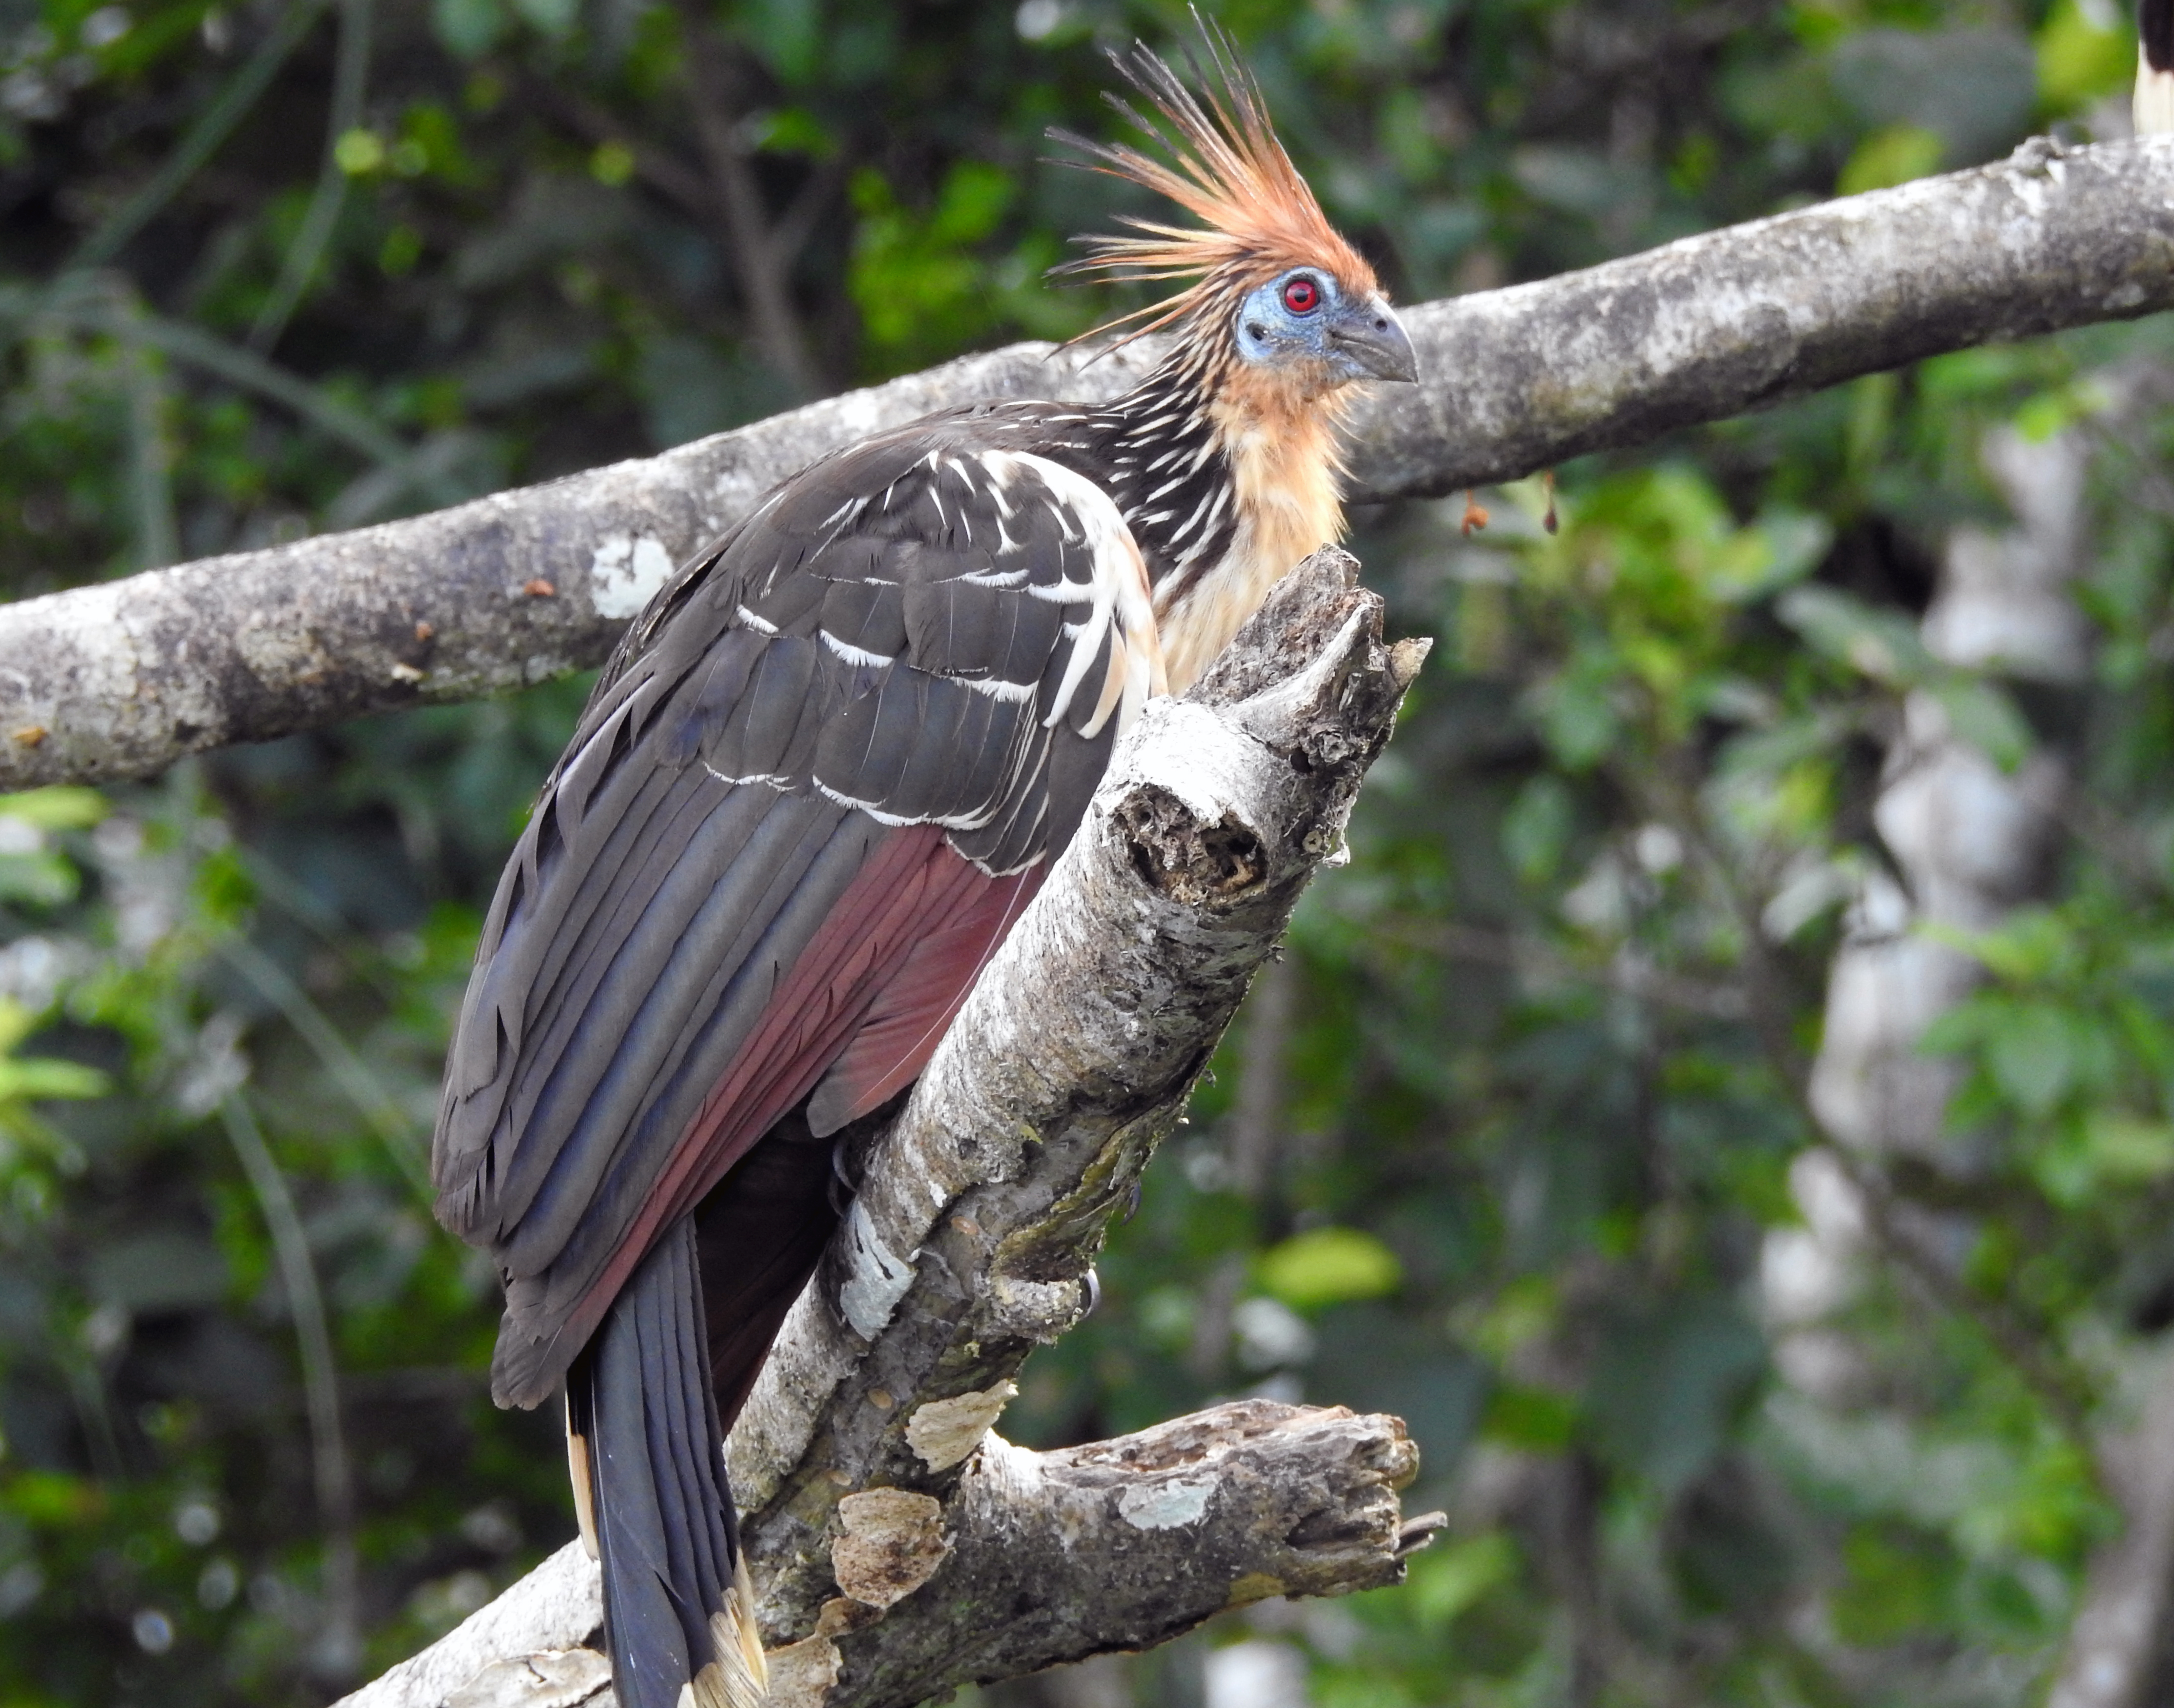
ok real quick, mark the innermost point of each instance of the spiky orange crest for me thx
(1229, 170)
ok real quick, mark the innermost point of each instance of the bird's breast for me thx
(1286, 501)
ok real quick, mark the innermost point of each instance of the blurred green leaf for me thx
(551, 18)
(1329, 1265)
(30, 1078)
(1883, 645)
(1537, 1419)
(2032, 944)
(794, 130)
(2031, 1050)
(58, 808)
(1536, 829)
(1897, 154)
(787, 35)
(1984, 715)
(2080, 62)
(1451, 1576)
(1897, 1584)
(1783, 548)
(1668, 1382)
(27, 1079)
(2107, 1148)
(44, 879)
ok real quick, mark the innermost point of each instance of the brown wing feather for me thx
(915, 1008)
(911, 888)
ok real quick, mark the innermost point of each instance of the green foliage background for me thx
(1496, 1147)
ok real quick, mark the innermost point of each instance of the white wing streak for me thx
(1121, 606)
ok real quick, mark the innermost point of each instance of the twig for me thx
(346, 1069)
(211, 127)
(737, 204)
(106, 302)
(340, 1646)
(1457, 940)
(797, 224)
(350, 81)
(150, 449)
(660, 169)
(1256, 1113)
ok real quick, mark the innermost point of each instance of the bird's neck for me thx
(1228, 476)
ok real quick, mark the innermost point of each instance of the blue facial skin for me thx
(1348, 338)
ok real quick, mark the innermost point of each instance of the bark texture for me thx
(1036, 1559)
(1043, 1558)
(900, 1549)
(121, 679)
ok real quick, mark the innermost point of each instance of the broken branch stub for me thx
(1122, 1544)
(899, 1547)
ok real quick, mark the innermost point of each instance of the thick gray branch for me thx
(899, 1547)
(121, 679)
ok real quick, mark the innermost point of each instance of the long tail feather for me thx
(678, 1614)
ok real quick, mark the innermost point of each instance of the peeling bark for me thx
(899, 1547)
(538, 1627)
(1045, 1558)
(122, 678)
(1127, 1544)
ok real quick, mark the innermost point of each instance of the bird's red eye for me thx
(1302, 296)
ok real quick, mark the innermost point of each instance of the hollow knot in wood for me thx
(1190, 862)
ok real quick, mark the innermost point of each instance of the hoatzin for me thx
(823, 773)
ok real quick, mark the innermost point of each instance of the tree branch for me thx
(1119, 1545)
(899, 1549)
(659, 168)
(122, 678)
(765, 272)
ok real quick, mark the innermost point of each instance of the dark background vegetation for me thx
(1495, 1145)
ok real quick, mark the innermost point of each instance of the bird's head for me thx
(1307, 318)
(1277, 294)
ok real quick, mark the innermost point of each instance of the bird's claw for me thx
(840, 1186)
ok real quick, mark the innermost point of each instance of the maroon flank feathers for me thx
(824, 775)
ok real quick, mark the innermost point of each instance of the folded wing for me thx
(826, 771)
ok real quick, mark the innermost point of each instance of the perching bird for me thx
(823, 773)
(2153, 101)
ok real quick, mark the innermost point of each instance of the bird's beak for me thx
(1371, 337)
